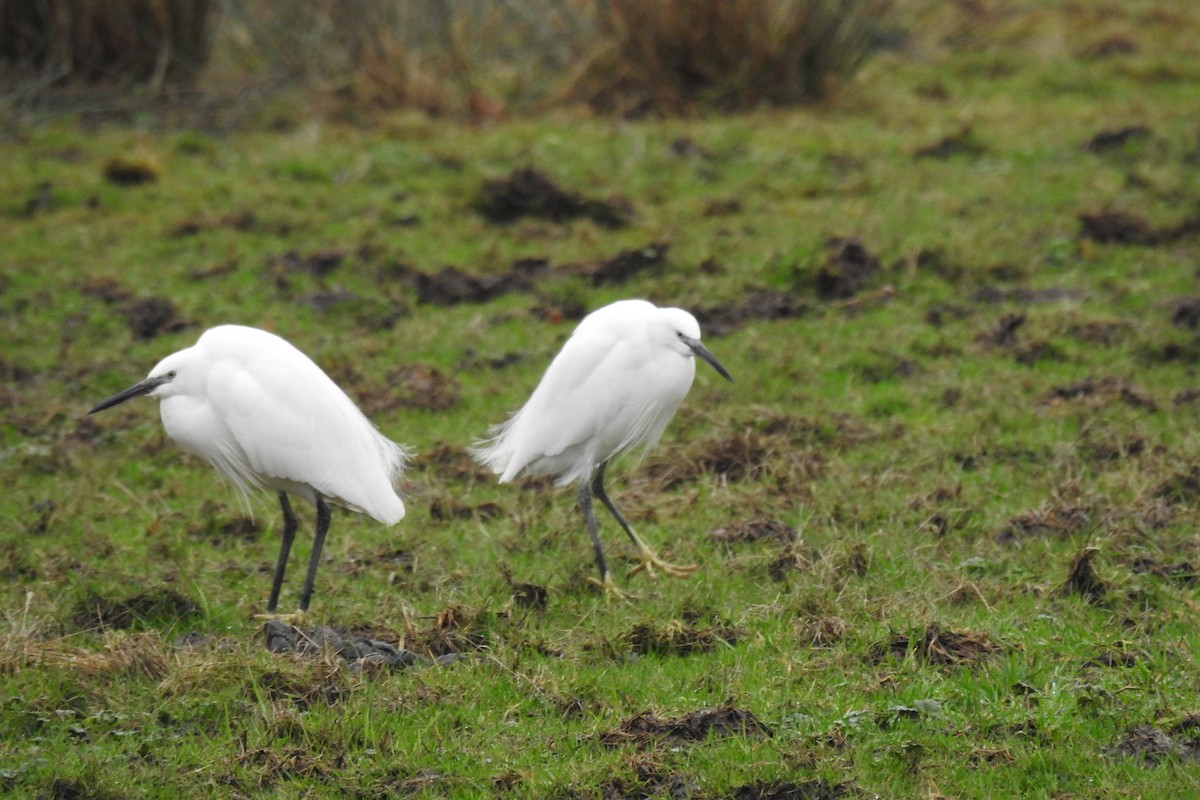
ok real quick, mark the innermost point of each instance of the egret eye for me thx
(171, 375)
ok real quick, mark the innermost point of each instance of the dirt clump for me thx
(423, 386)
(962, 143)
(526, 192)
(680, 637)
(1116, 139)
(627, 264)
(1182, 572)
(933, 645)
(692, 727)
(760, 304)
(1056, 520)
(240, 221)
(150, 317)
(356, 650)
(1152, 745)
(848, 269)
(1103, 389)
(452, 463)
(756, 529)
(819, 789)
(1110, 226)
(1082, 578)
(1186, 313)
(455, 631)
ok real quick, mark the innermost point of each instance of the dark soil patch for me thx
(1182, 572)
(1115, 45)
(1116, 139)
(452, 286)
(938, 647)
(221, 530)
(680, 638)
(529, 193)
(126, 171)
(627, 264)
(152, 608)
(819, 789)
(1004, 333)
(697, 726)
(451, 508)
(241, 221)
(458, 629)
(1105, 390)
(848, 269)
(423, 386)
(1152, 745)
(1182, 487)
(962, 143)
(39, 201)
(151, 317)
(760, 304)
(1109, 226)
(359, 651)
(1023, 295)
(1082, 578)
(106, 289)
(1186, 313)
(753, 530)
(319, 264)
(452, 463)
(1105, 333)
(1058, 521)
(1115, 657)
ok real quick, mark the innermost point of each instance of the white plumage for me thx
(267, 417)
(613, 387)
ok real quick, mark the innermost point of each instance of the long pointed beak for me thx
(137, 390)
(702, 352)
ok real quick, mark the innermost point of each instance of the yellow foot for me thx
(610, 590)
(294, 619)
(651, 562)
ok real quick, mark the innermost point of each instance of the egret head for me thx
(170, 376)
(684, 334)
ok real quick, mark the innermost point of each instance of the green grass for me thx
(889, 431)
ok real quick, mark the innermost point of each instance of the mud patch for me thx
(423, 386)
(697, 726)
(680, 637)
(1183, 573)
(1182, 487)
(1151, 745)
(151, 317)
(452, 286)
(452, 463)
(848, 269)
(450, 508)
(962, 143)
(318, 264)
(1103, 390)
(358, 651)
(152, 608)
(938, 647)
(754, 530)
(1004, 333)
(221, 530)
(819, 789)
(529, 193)
(1116, 139)
(627, 264)
(130, 171)
(241, 221)
(1059, 521)
(1109, 226)
(760, 304)
(1186, 313)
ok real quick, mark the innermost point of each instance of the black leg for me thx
(585, 503)
(323, 518)
(598, 490)
(285, 547)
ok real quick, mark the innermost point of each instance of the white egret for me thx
(614, 386)
(266, 417)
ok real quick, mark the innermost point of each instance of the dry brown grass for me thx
(677, 56)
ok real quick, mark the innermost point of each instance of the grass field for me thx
(946, 517)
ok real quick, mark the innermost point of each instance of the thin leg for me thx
(650, 561)
(606, 582)
(323, 518)
(285, 547)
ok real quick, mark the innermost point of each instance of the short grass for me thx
(936, 449)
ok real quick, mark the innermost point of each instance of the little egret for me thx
(614, 386)
(265, 416)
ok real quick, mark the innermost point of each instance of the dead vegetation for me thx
(648, 727)
(936, 646)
